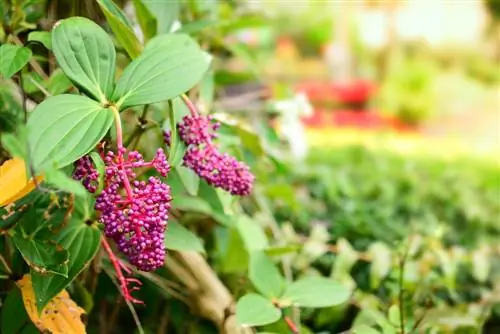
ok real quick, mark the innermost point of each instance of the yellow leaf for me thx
(14, 182)
(60, 316)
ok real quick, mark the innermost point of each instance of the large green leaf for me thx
(165, 12)
(316, 292)
(179, 238)
(121, 28)
(264, 275)
(42, 256)
(169, 66)
(12, 59)
(82, 242)
(86, 54)
(255, 310)
(63, 128)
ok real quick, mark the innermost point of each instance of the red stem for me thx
(291, 325)
(124, 282)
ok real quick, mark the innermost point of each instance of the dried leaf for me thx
(60, 316)
(14, 182)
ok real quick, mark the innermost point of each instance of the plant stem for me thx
(119, 273)
(119, 144)
(189, 104)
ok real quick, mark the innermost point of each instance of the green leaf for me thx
(146, 19)
(43, 37)
(121, 28)
(381, 262)
(179, 238)
(14, 317)
(42, 256)
(265, 276)
(100, 168)
(82, 242)
(86, 54)
(282, 250)
(364, 329)
(252, 234)
(189, 179)
(165, 12)
(232, 255)
(169, 66)
(316, 292)
(14, 145)
(255, 310)
(63, 128)
(177, 110)
(394, 315)
(60, 180)
(58, 83)
(12, 59)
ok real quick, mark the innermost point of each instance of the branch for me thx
(210, 298)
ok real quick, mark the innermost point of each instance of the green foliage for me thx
(65, 127)
(169, 66)
(86, 55)
(14, 58)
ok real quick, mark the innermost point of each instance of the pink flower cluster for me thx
(135, 213)
(202, 156)
(85, 172)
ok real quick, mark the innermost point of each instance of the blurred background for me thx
(390, 110)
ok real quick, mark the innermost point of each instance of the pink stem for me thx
(189, 104)
(119, 144)
(119, 274)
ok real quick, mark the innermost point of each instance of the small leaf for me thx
(169, 66)
(42, 256)
(63, 182)
(121, 28)
(14, 317)
(255, 310)
(146, 19)
(381, 262)
(265, 276)
(65, 127)
(61, 315)
(100, 168)
(43, 37)
(364, 329)
(12, 59)
(189, 179)
(252, 234)
(165, 12)
(316, 292)
(13, 181)
(481, 265)
(86, 54)
(82, 242)
(58, 83)
(394, 315)
(15, 144)
(179, 238)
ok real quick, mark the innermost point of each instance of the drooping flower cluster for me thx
(135, 213)
(86, 172)
(202, 156)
